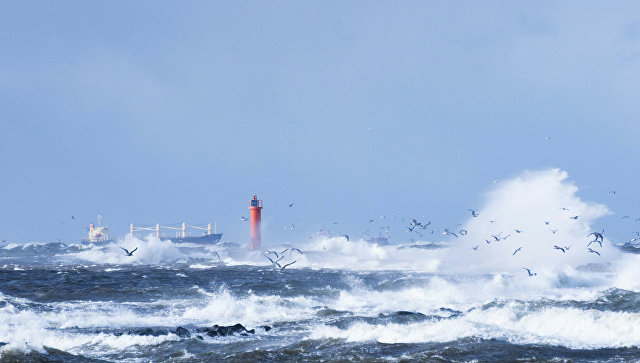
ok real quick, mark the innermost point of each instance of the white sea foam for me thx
(151, 250)
(570, 327)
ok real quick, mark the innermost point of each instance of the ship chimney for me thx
(255, 210)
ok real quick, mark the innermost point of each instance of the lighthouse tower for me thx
(255, 209)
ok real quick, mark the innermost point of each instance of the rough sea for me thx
(466, 297)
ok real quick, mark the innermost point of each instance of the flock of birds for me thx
(598, 238)
(275, 262)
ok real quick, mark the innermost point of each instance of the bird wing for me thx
(298, 250)
(134, 250)
(289, 264)
(269, 258)
(124, 249)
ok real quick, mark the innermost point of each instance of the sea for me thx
(536, 274)
(340, 300)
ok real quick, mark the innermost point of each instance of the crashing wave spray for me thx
(535, 212)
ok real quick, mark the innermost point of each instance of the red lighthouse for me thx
(255, 208)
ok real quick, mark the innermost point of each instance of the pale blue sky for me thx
(166, 111)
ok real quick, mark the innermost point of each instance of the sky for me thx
(160, 112)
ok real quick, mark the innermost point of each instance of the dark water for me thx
(55, 306)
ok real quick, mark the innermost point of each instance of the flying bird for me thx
(475, 248)
(274, 263)
(574, 217)
(127, 251)
(593, 251)
(244, 219)
(529, 272)
(554, 231)
(565, 209)
(473, 213)
(300, 252)
(547, 222)
(559, 248)
(289, 264)
(516, 251)
(446, 232)
(290, 205)
(598, 238)
(518, 231)
(462, 232)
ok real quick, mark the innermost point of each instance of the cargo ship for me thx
(183, 235)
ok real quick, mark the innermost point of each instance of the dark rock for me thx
(266, 328)
(223, 331)
(182, 332)
(199, 337)
(148, 332)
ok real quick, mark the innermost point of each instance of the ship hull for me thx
(206, 239)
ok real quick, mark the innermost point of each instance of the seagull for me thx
(592, 251)
(624, 217)
(370, 220)
(612, 192)
(559, 248)
(219, 259)
(446, 231)
(274, 263)
(548, 138)
(598, 238)
(72, 217)
(244, 219)
(554, 231)
(497, 237)
(492, 221)
(462, 232)
(127, 251)
(289, 264)
(300, 252)
(574, 217)
(518, 231)
(475, 248)
(505, 237)
(516, 251)
(346, 236)
(473, 213)
(529, 272)
(547, 222)
(290, 205)
(565, 209)
(488, 242)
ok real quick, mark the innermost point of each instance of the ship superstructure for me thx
(99, 234)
